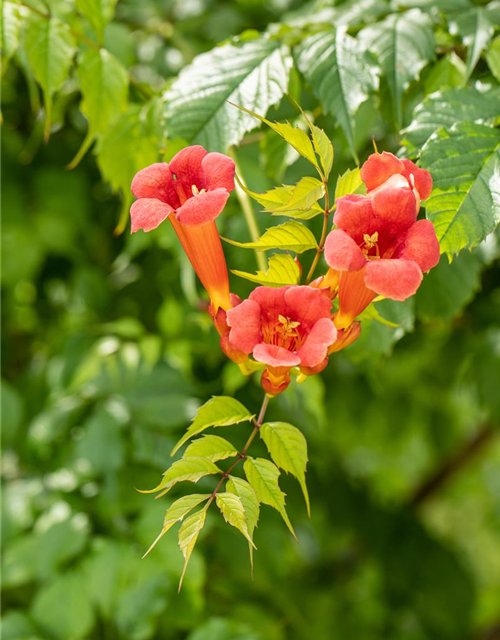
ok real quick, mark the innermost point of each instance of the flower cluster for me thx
(378, 248)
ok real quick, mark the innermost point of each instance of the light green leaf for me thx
(177, 511)
(404, 44)
(282, 270)
(263, 476)
(50, 47)
(213, 448)
(185, 469)
(291, 236)
(445, 108)
(493, 58)
(188, 536)
(288, 449)
(98, 13)
(253, 75)
(250, 503)
(324, 149)
(104, 87)
(219, 411)
(233, 511)
(349, 182)
(476, 31)
(10, 31)
(298, 201)
(465, 203)
(448, 73)
(340, 73)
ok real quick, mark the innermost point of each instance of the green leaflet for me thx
(324, 149)
(288, 449)
(250, 503)
(282, 270)
(185, 469)
(298, 201)
(50, 47)
(253, 75)
(219, 411)
(404, 44)
(349, 182)
(445, 108)
(464, 162)
(104, 87)
(98, 13)
(476, 31)
(177, 511)
(213, 448)
(188, 536)
(493, 58)
(291, 236)
(263, 476)
(340, 73)
(10, 31)
(233, 511)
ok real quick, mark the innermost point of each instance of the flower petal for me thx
(421, 245)
(395, 211)
(355, 216)
(218, 172)
(395, 279)
(156, 182)
(380, 167)
(271, 301)
(422, 178)
(315, 348)
(342, 253)
(275, 356)
(186, 166)
(202, 208)
(245, 323)
(148, 213)
(307, 305)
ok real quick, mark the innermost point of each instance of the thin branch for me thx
(324, 232)
(451, 466)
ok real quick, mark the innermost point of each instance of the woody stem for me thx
(243, 454)
(319, 251)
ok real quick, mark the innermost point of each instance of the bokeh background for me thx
(107, 351)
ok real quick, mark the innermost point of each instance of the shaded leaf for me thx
(291, 236)
(476, 31)
(213, 448)
(263, 476)
(282, 270)
(493, 58)
(233, 511)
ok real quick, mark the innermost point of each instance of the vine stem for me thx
(248, 212)
(243, 454)
(321, 246)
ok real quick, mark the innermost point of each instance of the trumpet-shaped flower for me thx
(191, 191)
(378, 247)
(283, 328)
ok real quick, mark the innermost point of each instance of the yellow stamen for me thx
(195, 191)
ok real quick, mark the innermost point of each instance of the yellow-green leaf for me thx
(324, 149)
(213, 448)
(280, 197)
(349, 182)
(282, 270)
(250, 503)
(233, 511)
(263, 476)
(185, 469)
(219, 411)
(290, 236)
(188, 536)
(288, 449)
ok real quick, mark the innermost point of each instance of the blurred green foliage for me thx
(107, 352)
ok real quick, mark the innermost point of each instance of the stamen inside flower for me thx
(195, 191)
(287, 328)
(371, 242)
(283, 333)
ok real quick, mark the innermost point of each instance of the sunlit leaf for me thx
(291, 236)
(298, 201)
(324, 148)
(250, 503)
(213, 448)
(98, 13)
(465, 203)
(282, 270)
(219, 411)
(188, 536)
(288, 449)
(233, 511)
(185, 469)
(10, 31)
(476, 31)
(349, 182)
(263, 476)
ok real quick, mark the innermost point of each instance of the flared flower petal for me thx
(186, 167)
(271, 301)
(202, 208)
(275, 356)
(395, 279)
(421, 245)
(354, 215)
(315, 348)
(156, 182)
(148, 213)
(308, 304)
(380, 167)
(245, 323)
(395, 210)
(342, 253)
(218, 172)
(422, 180)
